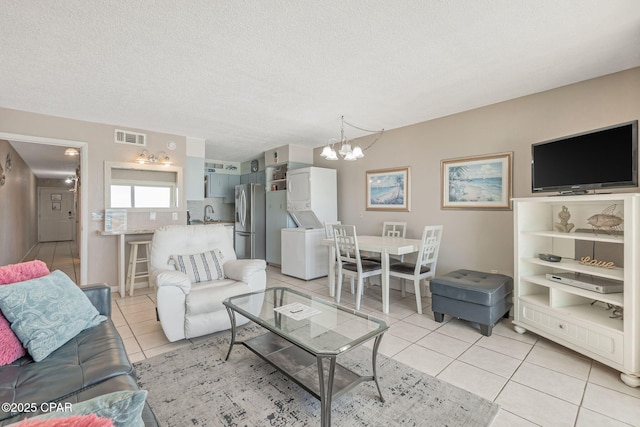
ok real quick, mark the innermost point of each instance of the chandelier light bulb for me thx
(326, 151)
(332, 155)
(345, 149)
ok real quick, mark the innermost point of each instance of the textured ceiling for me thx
(252, 75)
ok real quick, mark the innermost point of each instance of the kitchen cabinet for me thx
(602, 326)
(279, 161)
(222, 185)
(288, 154)
(253, 178)
(277, 218)
(218, 185)
(230, 194)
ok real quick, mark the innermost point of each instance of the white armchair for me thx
(187, 309)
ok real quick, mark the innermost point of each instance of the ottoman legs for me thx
(484, 329)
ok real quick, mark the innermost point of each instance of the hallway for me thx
(61, 256)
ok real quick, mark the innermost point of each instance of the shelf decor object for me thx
(479, 182)
(388, 189)
(608, 220)
(581, 314)
(564, 226)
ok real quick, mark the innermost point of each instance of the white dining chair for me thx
(389, 229)
(425, 265)
(328, 234)
(350, 263)
(328, 228)
(394, 229)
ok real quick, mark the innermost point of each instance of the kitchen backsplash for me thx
(221, 211)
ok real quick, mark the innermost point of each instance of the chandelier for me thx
(347, 150)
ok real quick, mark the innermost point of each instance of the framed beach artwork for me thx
(480, 182)
(388, 189)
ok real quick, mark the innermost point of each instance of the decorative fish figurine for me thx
(609, 219)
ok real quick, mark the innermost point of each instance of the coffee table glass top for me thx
(318, 326)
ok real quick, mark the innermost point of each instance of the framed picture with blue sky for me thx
(479, 182)
(388, 189)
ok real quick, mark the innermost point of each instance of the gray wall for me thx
(18, 208)
(477, 239)
(472, 239)
(102, 256)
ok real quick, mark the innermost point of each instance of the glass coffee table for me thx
(305, 335)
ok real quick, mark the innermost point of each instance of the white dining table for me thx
(385, 246)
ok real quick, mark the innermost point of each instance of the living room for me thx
(474, 239)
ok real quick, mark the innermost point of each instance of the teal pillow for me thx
(124, 408)
(47, 312)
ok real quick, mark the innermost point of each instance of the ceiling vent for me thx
(128, 137)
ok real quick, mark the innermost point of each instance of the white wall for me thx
(478, 239)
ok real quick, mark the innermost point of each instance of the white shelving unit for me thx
(573, 317)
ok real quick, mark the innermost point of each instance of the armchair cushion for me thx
(243, 269)
(201, 267)
(171, 278)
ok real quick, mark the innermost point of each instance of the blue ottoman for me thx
(474, 296)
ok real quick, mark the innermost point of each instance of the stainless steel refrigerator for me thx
(250, 227)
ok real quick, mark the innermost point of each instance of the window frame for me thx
(109, 180)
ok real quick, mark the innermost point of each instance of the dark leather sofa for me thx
(93, 363)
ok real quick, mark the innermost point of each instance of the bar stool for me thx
(132, 275)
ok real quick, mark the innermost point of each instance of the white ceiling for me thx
(252, 75)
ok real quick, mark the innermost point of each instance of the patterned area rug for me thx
(194, 386)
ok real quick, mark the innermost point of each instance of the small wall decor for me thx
(480, 182)
(564, 226)
(7, 163)
(56, 197)
(2, 177)
(608, 220)
(388, 189)
(56, 206)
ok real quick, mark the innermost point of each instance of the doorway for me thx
(81, 219)
(56, 214)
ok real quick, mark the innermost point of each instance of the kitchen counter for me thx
(122, 237)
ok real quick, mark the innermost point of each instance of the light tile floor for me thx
(535, 381)
(61, 256)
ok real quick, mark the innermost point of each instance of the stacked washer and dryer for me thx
(312, 200)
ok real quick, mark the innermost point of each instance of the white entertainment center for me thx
(603, 326)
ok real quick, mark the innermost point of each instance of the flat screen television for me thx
(598, 159)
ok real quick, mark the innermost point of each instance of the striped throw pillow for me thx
(201, 267)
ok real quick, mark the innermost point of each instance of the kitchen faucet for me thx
(208, 208)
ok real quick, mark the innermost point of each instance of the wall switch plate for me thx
(174, 216)
(152, 216)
